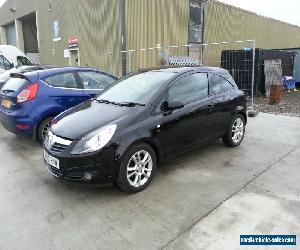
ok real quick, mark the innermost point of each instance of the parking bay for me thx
(38, 211)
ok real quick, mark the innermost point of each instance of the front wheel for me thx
(137, 168)
(235, 134)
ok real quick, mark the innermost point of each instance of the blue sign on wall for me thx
(56, 31)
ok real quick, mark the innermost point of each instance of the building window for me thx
(196, 21)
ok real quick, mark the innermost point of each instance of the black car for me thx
(141, 119)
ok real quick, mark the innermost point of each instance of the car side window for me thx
(1, 63)
(95, 80)
(189, 88)
(66, 80)
(23, 61)
(218, 84)
(4, 63)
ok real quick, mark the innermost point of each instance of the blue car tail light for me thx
(29, 93)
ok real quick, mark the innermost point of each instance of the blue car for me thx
(30, 100)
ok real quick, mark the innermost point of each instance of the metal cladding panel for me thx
(148, 23)
(94, 22)
(11, 34)
(227, 23)
(22, 8)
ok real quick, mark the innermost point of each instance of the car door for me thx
(63, 91)
(192, 124)
(223, 98)
(93, 82)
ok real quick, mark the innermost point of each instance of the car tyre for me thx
(235, 134)
(42, 128)
(137, 168)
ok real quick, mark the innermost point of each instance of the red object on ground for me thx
(276, 94)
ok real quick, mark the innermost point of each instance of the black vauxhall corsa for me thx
(141, 119)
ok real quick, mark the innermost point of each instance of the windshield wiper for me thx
(105, 101)
(8, 91)
(128, 104)
(131, 104)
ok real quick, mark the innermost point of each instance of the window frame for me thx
(62, 73)
(201, 4)
(223, 91)
(187, 75)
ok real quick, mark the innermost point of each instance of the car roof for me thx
(180, 69)
(52, 70)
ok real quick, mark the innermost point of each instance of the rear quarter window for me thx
(218, 84)
(66, 80)
(15, 84)
(95, 80)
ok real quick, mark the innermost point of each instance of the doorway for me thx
(74, 59)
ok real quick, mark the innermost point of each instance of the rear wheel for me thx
(43, 128)
(235, 134)
(137, 168)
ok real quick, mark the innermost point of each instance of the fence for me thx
(235, 56)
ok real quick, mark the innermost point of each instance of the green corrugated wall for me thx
(152, 22)
(95, 22)
(227, 23)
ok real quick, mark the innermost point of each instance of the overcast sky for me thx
(284, 10)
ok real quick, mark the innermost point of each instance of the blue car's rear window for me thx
(15, 84)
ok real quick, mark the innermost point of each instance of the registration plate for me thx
(6, 103)
(51, 160)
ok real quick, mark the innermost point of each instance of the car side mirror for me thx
(174, 104)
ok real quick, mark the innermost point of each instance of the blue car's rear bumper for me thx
(10, 120)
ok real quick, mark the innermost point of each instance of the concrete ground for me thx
(202, 200)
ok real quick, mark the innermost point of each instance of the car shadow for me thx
(184, 159)
(181, 161)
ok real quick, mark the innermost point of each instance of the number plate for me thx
(6, 103)
(51, 160)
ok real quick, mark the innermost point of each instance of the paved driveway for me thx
(191, 197)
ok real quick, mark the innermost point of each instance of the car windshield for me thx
(14, 84)
(137, 88)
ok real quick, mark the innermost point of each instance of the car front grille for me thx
(55, 143)
(57, 147)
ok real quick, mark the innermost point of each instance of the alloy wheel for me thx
(139, 168)
(237, 131)
(45, 129)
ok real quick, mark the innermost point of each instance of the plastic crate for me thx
(289, 83)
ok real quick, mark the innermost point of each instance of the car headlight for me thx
(95, 140)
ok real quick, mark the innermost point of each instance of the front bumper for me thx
(100, 166)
